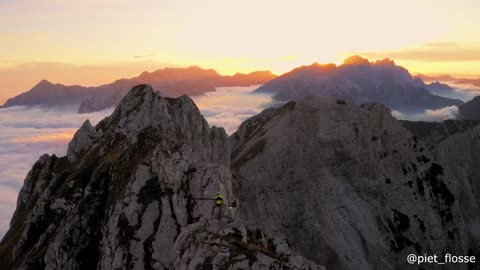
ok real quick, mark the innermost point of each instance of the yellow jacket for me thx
(218, 199)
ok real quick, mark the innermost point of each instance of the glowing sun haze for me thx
(90, 42)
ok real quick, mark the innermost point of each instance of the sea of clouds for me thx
(450, 112)
(25, 135)
(228, 107)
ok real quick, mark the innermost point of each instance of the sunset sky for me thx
(90, 42)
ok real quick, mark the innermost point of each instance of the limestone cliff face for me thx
(350, 187)
(456, 145)
(128, 195)
(461, 155)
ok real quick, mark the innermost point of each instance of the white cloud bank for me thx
(450, 112)
(228, 107)
(462, 91)
(25, 135)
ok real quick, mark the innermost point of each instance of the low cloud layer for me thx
(26, 134)
(450, 112)
(462, 91)
(228, 107)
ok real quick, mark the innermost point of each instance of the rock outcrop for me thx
(432, 133)
(470, 110)
(350, 187)
(131, 193)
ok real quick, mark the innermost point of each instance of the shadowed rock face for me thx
(349, 186)
(433, 133)
(460, 153)
(128, 196)
(359, 81)
(470, 110)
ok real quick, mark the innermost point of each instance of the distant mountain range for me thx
(360, 81)
(170, 82)
(357, 80)
(472, 81)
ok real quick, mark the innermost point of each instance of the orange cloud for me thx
(65, 137)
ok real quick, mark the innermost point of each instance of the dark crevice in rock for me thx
(92, 212)
(148, 248)
(399, 228)
(150, 192)
(172, 212)
(402, 222)
(420, 186)
(127, 233)
(189, 198)
(148, 244)
(256, 149)
(439, 192)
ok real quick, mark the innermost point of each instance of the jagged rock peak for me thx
(143, 99)
(144, 108)
(144, 114)
(356, 60)
(324, 66)
(385, 61)
(44, 83)
(81, 141)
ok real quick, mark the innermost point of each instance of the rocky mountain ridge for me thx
(318, 183)
(359, 81)
(352, 186)
(49, 94)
